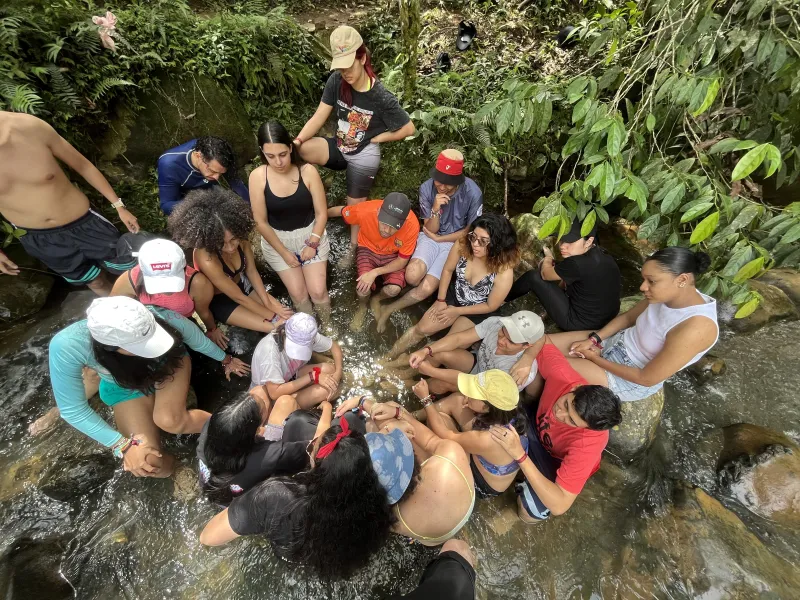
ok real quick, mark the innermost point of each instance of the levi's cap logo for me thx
(161, 266)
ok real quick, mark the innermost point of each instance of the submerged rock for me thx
(708, 367)
(760, 468)
(76, 476)
(32, 571)
(775, 305)
(24, 294)
(637, 431)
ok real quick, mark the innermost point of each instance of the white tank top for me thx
(645, 340)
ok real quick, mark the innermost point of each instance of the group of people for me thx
(503, 403)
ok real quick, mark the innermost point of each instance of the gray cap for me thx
(394, 210)
(523, 327)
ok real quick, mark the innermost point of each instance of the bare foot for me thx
(347, 258)
(357, 324)
(45, 422)
(380, 318)
(401, 361)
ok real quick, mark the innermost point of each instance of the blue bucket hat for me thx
(393, 460)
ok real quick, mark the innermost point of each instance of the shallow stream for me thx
(138, 539)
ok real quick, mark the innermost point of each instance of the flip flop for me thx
(443, 62)
(466, 33)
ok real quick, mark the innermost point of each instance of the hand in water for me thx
(135, 459)
(127, 217)
(364, 283)
(284, 312)
(384, 411)
(7, 266)
(237, 367)
(403, 426)
(508, 439)
(218, 337)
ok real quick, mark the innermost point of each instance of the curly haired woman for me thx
(477, 276)
(216, 224)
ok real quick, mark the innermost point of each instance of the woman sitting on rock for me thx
(216, 224)
(332, 517)
(243, 444)
(475, 280)
(162, 278)
(427, 478)
(670, 329)
(139, 354)
(291, 211)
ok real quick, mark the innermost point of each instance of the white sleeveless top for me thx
(645, 340)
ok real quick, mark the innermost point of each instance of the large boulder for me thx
(24, 294)
(527, 227)
(32, 569)
(621, 238)
(760, 468)
(637, 431)
(181, 110)
(787, 280)
(775, 306)
(72, 477)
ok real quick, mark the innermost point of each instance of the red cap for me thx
(448, 170)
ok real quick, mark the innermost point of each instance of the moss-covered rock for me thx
(787, 280)
(775, 306)
(527, 226)
(24, 294)
(637, 431)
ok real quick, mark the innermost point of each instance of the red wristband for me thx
(397, 412)
(522, 459)
(441, 300)
(430, 352)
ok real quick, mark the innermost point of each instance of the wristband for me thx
(521, 459)
(314, 374)
(361, 405)
(397, 412)
(319, 237)
(311, 244)
(299, 139)
(211, 330)
(596, 339)
(437, 213)
(275, 318)
(430, 352)
(122, 446)
(427, 401)
(441, 299)
(118, 204)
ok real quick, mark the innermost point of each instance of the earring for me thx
(683, 285)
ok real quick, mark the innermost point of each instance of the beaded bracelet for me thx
(311, 244)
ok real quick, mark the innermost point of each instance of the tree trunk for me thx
(410, 28)
(505, 195)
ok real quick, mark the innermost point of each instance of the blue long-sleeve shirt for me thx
(177, 176)
(71, 350)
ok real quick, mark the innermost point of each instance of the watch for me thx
(118, 204)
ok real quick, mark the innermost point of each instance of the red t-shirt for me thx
(578, 449)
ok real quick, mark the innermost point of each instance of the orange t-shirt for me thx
(365, 214)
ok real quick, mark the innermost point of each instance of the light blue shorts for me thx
(433, 254)
(614, 351)
(111, 393)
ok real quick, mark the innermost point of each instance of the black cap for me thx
(574, 234)
(394, 210)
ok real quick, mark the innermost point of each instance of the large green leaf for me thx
(749, 162)
(616, 135)
(647, 228)
(549, 226)
(749, 270)
(792, 235)
(638, 192)
(588, 223)
(773, 157)
(607, 184)
(673, 199)
(747, 309)
(505, 118)
(545, 115)
(696, 211)
(599, 42)
(705, 228)
(596, 175)
(650, 123)
(602, 125)
(711, 95)
(580, 109)
(575, 88)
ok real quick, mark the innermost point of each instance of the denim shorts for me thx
(614, 351)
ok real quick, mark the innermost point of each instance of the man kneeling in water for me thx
(567, 434)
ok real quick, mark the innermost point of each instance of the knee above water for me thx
(391, 290)
(169, 422)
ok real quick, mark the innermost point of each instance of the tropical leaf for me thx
(705, 228)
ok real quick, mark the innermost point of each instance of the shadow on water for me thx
(634, 532)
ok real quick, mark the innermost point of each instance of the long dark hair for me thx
(347, 512)
(137, 373)
(678, 260)
(230, 439)
(273, 132)
(346, 90)
(495, 416)
(503, 251)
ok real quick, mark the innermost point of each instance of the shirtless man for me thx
(35, 195)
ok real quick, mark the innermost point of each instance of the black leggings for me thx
(448, 577)
(553, 298)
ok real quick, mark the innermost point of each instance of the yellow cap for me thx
(495, 387)
(345, 41)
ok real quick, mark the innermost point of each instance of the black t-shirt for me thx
(593, 285)
(267, 459)
(273, 509)
(371, 113)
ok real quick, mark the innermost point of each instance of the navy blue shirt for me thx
(177, 176)
(464, 207)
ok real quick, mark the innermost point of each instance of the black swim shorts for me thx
(79, 250)
(361, 167)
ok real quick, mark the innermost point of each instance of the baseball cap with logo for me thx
(449, 168)
(301, 333)
(393, 460)
(126, 323)
(163, 266)
(345, 41)
(494, 386)
(394, 210)
(523, 327)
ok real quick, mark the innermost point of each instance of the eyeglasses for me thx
(481, 241)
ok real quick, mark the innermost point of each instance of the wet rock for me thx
(708, 367)
(24, 294)
(621, 239)
(640, 420)
(760, 468)
(628, 302)
(787, 280)
(527, 227)
(185, 483)
(32, 570)
(20, 475)
(76, 476)
(775, 306)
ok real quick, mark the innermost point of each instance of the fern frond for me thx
(482, 134)
(20, 97)
(108, 83)
(61, 87)
(9, 32)
(54, 49)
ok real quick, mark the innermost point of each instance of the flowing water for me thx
(138, 539)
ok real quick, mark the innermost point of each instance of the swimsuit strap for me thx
(226, 269)
(469, 487)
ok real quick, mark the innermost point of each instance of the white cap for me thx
(126, 323)
(523, 327)
(163, 266)
(301, 333)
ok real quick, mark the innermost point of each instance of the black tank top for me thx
(291, 212)
(227, 270)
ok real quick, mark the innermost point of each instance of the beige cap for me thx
(345, 41)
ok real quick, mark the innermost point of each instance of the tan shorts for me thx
(294, 241)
